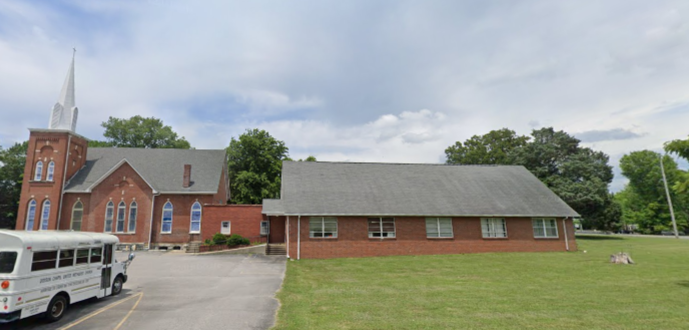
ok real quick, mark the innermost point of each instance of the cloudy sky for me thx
(387, 81)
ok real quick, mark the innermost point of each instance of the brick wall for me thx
(244, 220)
(411, 239)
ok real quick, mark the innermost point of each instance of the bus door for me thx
(106, 271)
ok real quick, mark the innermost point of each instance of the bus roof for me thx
(52, 239)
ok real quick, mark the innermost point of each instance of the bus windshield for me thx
(7, 261)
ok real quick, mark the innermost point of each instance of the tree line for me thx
(579, 175)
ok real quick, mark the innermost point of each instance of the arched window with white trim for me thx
(109, 211)
(31, 214)
(77, 216)
(132, 217)
(121, 213)
(45, 215)
(38, 175)
(167, 218)
(51, 171)
(195, 227)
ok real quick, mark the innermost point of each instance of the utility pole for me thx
(669, 200)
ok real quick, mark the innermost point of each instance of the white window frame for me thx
(31, 215)
(121, 206)
(162, 222)
(322, 227)
(111, 208)
(38, 173)
(45, 218)
(51, 171)
(133, 207)
(191, 218)
(430, 221)
(229, 227)
(394, 225)
(74, 209)
(492, 223)
(544, 227)
(265, 228)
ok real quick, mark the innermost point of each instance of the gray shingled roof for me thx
(163, 169)
(367, 189)
(272, 207)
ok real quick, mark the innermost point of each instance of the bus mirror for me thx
(131, 256)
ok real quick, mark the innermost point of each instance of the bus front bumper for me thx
(9, 317)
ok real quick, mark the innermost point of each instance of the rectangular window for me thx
(66, 258)
(320, 227)
(96, 254)
(265, 228)
(44, 260)
(492, 228)
(381, 227)
(82, 256)
(544, 228)
(439, 228)
(7, 261)
(225, 228)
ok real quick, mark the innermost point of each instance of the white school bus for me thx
(46, 271)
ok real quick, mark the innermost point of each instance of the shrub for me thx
(208, 242)
(236, 239)
(219, 239)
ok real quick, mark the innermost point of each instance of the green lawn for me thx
(554, 290)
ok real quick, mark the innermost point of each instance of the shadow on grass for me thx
(683, 283)
(598, 237)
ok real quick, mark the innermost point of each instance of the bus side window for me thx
(44, 260)
(66, 258)
(82, 256)
(96, 255)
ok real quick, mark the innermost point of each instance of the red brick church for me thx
(147, 197)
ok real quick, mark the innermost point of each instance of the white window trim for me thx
(112, 220)
(322, 219)
(229, 227)
(50, 173)
(121, 205)
(267, 228)
(394, 223)
(491, 224)
(28, 214)
(44, 218)
(129, 217)
(437, 223)
(74, 208)
(191, 218)
(545, 232)
(162, 218)
(38, 173)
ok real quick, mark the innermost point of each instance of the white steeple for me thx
(64, 115)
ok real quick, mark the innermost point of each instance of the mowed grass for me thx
(556, 290)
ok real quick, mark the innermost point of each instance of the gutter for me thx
(288, 237)
(298, 237)
(564, 226)
(64, 183)
(150, 224)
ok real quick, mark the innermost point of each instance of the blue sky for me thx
(390, 81)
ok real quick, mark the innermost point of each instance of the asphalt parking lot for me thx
(177, 291)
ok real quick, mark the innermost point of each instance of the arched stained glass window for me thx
(195, 218)
(38, 175)
(51, 171)
(109, 211)
(167, 218)
(77, 215)
(31, 215)
(132, 217)
(121, 213)
(45, 215)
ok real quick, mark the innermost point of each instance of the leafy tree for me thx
(100, 144)
(254, 166)
(310, 159)
(580, 176)
(648, 207)
(679, 147)
(495, 147)
(12, 162)
(140, 132)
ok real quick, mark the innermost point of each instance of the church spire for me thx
(64, 114)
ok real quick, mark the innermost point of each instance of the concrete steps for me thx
(276, 250)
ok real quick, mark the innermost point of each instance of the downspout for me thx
(564, 226)
(64, 180)
(150, 224)
(288, 237)
(298, 237)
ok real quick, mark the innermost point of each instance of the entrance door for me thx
(106, 271)
(277, 230)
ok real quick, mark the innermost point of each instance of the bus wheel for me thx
(117, 285)
(56, 308)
